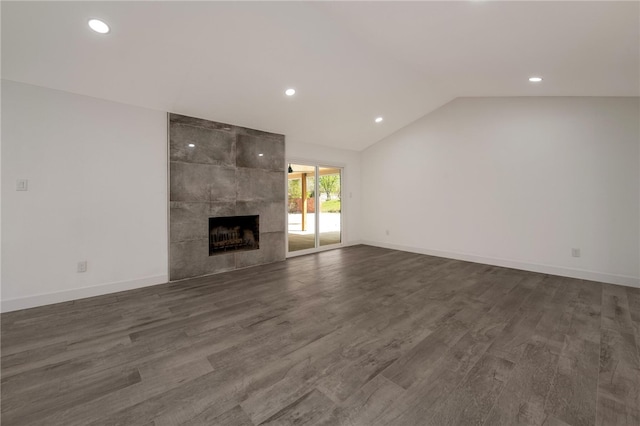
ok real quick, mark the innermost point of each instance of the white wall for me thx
(508, 181)
(97, 174)
(514, 182)
(348, 159)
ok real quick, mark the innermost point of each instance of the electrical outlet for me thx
(575, 252)
(82, 266)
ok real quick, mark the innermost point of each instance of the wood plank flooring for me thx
(355, 336)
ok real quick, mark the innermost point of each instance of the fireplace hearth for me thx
(233, 233)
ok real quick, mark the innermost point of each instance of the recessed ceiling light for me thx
(379, 120)
(290, 92)
(535, 79)
(192, 145)
(98, 26)
(260, 155)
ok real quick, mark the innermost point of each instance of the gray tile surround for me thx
(249, 148)
(212, 146)
(223, 175)
(202, 183)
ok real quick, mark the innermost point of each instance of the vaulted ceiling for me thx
(349, 62)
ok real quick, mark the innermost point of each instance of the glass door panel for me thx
(301, 204)
(330, 210)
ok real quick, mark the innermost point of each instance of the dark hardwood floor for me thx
(356, 336)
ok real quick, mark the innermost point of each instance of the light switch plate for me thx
(22, 184)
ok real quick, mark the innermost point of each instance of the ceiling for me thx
(350, 62)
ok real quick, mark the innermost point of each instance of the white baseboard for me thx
(321, 249)
(515, 264)
(9, 305)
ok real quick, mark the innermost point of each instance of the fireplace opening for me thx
(233, 233)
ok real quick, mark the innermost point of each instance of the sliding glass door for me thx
(329, 200)
(301, 207)
(314, 209)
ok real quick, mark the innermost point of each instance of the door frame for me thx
(343, 208)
